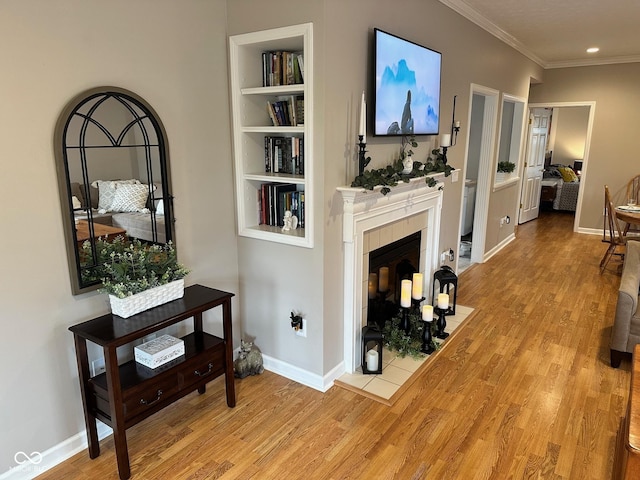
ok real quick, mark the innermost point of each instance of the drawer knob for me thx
(203, 374)
(151, 402)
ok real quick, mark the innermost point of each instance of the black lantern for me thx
(447, 281)
(371, 350)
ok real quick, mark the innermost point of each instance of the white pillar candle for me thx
(373, 285)
(427, 312)
(458, 124)
(405, 293)
(416, 291)
(443, 301)
(384, 279)
(372, 360)
(445, 140)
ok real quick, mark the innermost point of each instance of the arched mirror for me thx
(113, 176)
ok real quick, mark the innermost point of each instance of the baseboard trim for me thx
(499, 247)
(297, 374)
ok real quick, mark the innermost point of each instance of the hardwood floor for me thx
(524, 390)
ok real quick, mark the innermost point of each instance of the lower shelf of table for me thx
(146, 391)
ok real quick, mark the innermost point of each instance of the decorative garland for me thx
(391, 175)
(403, 344)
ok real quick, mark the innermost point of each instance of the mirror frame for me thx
(64, 182)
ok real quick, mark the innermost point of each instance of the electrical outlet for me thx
(302, 332)
(97, 367)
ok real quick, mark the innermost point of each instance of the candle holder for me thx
(415, 303)
(441, 323)
(444, 155)
(405, 324)
(362, 160)
(427, 338)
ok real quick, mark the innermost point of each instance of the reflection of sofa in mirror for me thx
(131, 208)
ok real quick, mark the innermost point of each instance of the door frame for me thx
(587, 147)
(485, 167)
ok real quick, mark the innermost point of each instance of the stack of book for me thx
(282, 68)
(284, 155)
(275, 199)
(287, 112)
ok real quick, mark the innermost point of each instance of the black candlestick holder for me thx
(427, 338)
(441, 323)
(444, 155)
(363, 161)
(405, 324)
(415, 303)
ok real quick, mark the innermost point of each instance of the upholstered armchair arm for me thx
(627, 297)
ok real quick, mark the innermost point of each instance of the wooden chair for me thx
(611, 233)
(633, 191)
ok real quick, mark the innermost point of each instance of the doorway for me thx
(566, 148)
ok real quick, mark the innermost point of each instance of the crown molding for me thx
(474, 16)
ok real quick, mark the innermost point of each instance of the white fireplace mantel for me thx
(364, 210)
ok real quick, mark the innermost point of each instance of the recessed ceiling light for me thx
(593, 50)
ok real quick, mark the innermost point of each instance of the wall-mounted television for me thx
(407, 87)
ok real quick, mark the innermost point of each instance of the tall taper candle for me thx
(416, 291)
(363, 119)
(405, 293)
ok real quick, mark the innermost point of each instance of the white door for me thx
(534, 164)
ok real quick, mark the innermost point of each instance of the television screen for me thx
(407, 87)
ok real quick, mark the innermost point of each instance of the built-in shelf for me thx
(252, 124)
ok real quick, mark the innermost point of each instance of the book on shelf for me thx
(282, 68)
(286, 111)
(274, 199)
(284, 155)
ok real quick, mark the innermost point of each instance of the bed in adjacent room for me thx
(567, 185)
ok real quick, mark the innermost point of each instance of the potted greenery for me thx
(136, 275)
(505, 169)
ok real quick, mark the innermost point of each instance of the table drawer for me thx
(201, 369)
(148, 394)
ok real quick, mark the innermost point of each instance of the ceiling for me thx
(557, 33)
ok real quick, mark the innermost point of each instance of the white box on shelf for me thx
(159, 351)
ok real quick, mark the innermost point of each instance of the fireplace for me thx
(388, 266)
(371, 221)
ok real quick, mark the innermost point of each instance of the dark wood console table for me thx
(126, 394)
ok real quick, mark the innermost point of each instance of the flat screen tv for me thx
(407, 87)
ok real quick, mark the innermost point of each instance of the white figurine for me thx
(290, 221)
(407, 163)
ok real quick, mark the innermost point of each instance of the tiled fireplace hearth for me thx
(372, 220)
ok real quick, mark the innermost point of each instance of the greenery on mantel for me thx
(395, 338)
(391, 175)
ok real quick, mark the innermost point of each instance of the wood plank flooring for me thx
(523, 391)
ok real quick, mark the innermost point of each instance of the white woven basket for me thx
(125, 307)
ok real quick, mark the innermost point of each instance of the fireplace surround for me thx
(372, 220)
